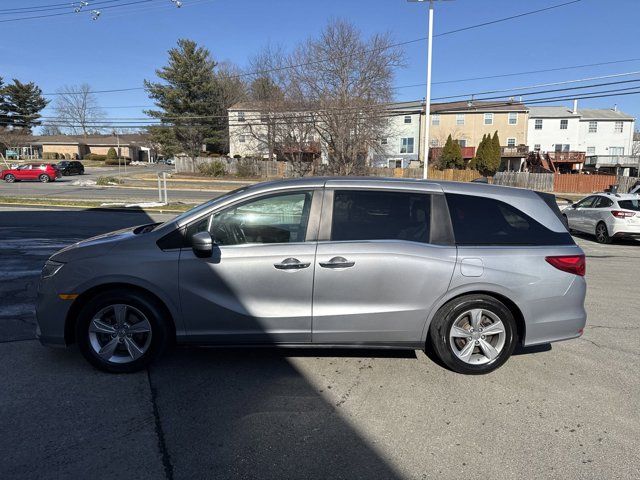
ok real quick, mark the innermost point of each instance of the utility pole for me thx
(427, 102)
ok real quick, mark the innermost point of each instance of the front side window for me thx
(485, 221)
(280, 218)
(379, 215)
(586, 202)
(488, 118)
(406, 145)
(564, 124)
(538, 124)
(593, 127)
(513, 118)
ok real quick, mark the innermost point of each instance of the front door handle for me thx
(337, 262)
(291, 264)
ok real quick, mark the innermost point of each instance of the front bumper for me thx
(51, 314)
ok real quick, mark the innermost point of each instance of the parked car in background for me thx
(37, 172)
(467, 269)
(70, 167)
(606, 216)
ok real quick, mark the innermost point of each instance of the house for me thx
(604, 137)
(134, 146)
(400, 147)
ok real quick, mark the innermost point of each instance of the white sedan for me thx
(606, 215)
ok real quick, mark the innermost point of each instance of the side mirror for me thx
(574, 206)
(202, 244)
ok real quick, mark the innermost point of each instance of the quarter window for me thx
(406, 145)
(486, 221)
(278, 218)
(379, 215)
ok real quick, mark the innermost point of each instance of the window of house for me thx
(435, 119)
(616, 150)
(242, 139)
(562, 147)
(513, 118)
(591, 150)
(536, 147)
(434, 143)
(488, 118)
(593, 127)
(407, 119)
(538, 124)
(460, 119)
(564, 124)
(462, 143)
(406, 145)
(384, 141)
(280, 218)
(241, 117)
(380, 215)
(511, 142)
(619, 127)
(264, 118)
(395, 163)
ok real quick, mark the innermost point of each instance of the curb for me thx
(90, 207)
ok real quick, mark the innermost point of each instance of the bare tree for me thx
(14, 138)
(347, 80)
(77, 109)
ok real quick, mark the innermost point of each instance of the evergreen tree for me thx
(20, 105)
(451, 156)
(112, 154)
(487, 160)
(190, 90)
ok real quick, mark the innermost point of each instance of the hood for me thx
(94, 246)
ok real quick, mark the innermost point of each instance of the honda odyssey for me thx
(468, 270)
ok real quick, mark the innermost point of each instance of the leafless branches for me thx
(77, 109)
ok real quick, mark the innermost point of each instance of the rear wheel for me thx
(473, 334)
(602, 234)
(121, 332)
(44, 178)
(9, 178)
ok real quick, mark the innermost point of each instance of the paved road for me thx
(568, 412)
(67, 188)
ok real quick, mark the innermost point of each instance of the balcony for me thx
(624, 161)
(516, 151)
(567, 157)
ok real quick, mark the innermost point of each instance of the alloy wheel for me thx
(601, 233)
(477, 336)
(120, 333)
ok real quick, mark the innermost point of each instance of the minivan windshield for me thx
(204, 206)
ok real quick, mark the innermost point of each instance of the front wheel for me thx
(44, 178)
(121, 332)
(602, 234)
(473, 334)
(9, 178)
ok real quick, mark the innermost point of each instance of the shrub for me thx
(50, 156)
(118, 161)
(108, 181)
(95, 156)
(213, 169)
(111, 154)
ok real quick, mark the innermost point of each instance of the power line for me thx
(48, 15)
(57, 6)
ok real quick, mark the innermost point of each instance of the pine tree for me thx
(451, 156)
(20, 105)
(191, 90)
(112, 154)
(488, 155)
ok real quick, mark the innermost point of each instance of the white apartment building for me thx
(597, 132)
(401, 145)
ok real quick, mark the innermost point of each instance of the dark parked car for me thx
(70, 168)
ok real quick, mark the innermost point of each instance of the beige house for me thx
(467, 122)
(134, 146)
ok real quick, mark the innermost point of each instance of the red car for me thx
(42, 172)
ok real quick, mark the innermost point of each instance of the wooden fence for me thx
(534, 181)
(563, 183)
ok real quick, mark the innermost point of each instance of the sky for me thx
(128, 43)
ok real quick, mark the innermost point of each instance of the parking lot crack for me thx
(162, 446)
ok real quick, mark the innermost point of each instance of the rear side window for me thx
(485, 221)
(630, 204)
(380, 215)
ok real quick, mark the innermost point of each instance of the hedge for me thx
(94, 156)
(115, 161)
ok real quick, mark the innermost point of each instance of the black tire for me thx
(442, 324)
(160, 329)
(44, 178)
(602, 234)
(9, 178)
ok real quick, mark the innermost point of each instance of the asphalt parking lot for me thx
(570, 411)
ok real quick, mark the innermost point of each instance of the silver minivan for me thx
(467, 270)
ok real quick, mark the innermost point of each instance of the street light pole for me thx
(427, 106)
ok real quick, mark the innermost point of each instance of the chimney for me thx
(615, 107)
(575, 106)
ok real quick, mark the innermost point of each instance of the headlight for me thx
(51, 268)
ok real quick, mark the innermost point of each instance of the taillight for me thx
(575, 264)
(622, 214)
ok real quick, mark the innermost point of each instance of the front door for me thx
(257, 286)
(379, 270)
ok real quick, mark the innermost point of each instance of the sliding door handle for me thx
(337, 262)
(291, 264)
